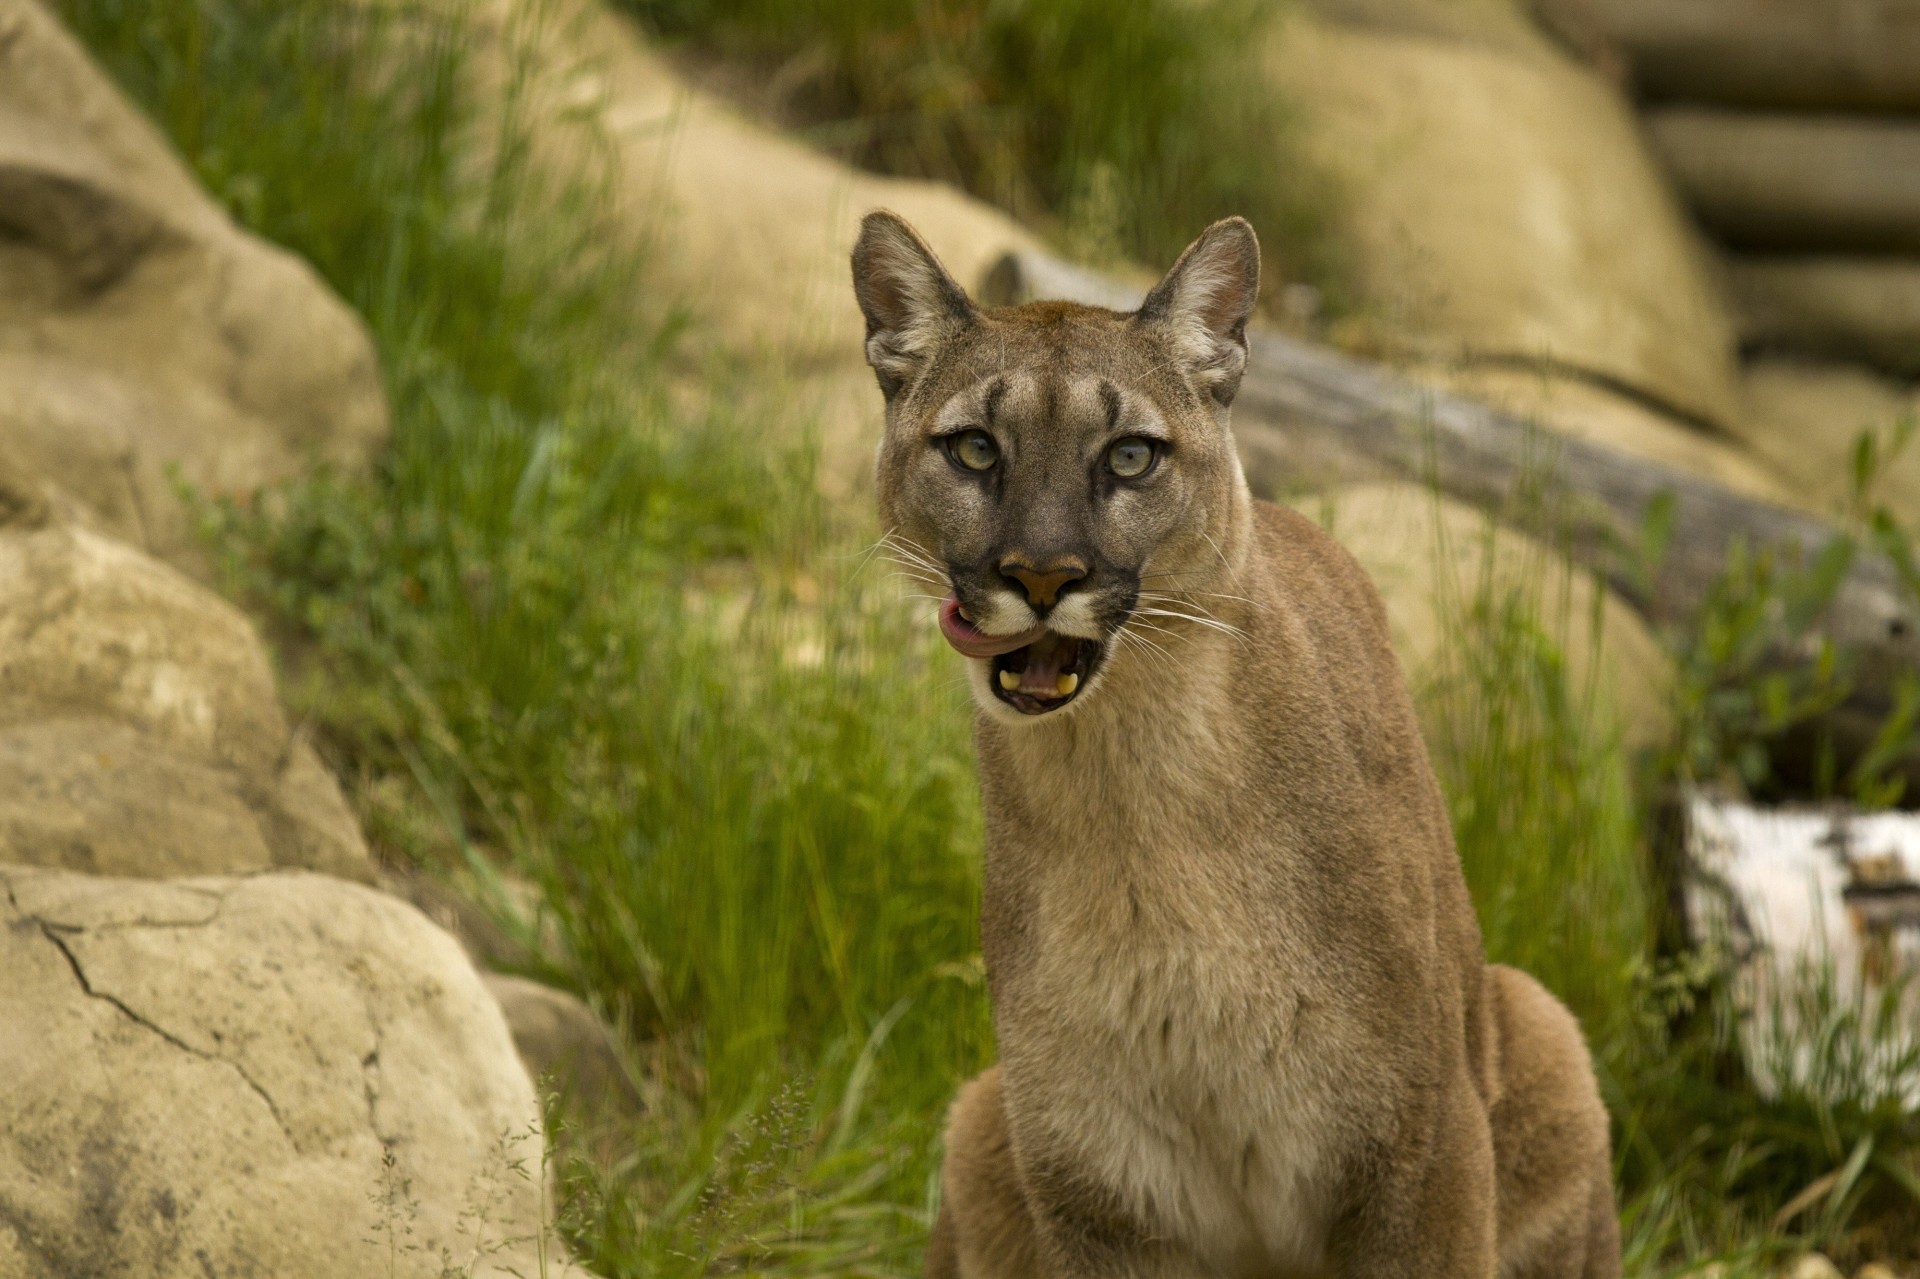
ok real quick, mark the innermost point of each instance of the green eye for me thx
(1131, 458)
(974, 450)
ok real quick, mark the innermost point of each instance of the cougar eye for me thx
(1132, 457)
(974, 450)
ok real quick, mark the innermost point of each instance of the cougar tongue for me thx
(977, 643)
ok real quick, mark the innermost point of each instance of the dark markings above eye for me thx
(995, 393)
(973, 449)
(1132, 457)
(1110, 397)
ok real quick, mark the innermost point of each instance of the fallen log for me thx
(1308, 416)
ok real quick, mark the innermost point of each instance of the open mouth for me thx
(1035, 671)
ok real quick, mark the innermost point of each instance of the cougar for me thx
(1245, 1021)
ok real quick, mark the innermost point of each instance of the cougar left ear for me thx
(1203, 303)
(912, 305)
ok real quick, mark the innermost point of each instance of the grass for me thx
(578, 631)
(1122, 128)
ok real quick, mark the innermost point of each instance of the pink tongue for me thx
(975, 643)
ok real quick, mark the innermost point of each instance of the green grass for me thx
(1123, 128)
(575, 630)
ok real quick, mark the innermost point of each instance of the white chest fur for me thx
(1172, 1047)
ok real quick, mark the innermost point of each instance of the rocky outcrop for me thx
(283, 1075)
(1804, 416)
(1500, 203)
(140, 731)
(143, 336)
(754, 224)
(567, 1049)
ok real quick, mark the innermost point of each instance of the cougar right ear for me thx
(1203, 304)
(912, 305)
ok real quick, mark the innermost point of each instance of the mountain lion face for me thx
(1062, 474)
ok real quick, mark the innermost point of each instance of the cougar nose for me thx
(1043, 586)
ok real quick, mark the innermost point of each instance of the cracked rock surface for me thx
(140, 732)
(279, 1076)
(140, 330)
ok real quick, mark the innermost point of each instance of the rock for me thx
(1812, 1266)
(140, 733)
(280, 1075)
(1802, 418)
(1843, 308)
(566, 1048)
(1500, 205)
(1795, 182)
(1833, 55)
(1874, 1270)
(755, 224)
(1427, 553)
(141, 332)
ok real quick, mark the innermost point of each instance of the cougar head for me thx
(1059, 472)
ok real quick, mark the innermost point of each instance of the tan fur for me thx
(1245, 1022)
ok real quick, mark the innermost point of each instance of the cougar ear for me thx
(1202, 306)
(912, 305)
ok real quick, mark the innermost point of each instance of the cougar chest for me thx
(1165, 1030)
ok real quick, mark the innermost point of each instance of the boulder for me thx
(566, 1048)
(1804, 417)
(754, 224)
(1829, 55)
(1429, 556)
(1837, 307)
(140, 733)
(280, 1075)
(142, 335)
(1500, 203)
(1781, 181)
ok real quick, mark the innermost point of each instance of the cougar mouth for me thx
(1034, 671)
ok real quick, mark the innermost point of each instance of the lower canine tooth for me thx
(1009, 681)
(1067, 683)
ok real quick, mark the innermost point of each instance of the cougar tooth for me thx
(1009, 681)
(1067, 683)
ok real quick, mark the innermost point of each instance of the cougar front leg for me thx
(995, 1224)
(1430, 1214)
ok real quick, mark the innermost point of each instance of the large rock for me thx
(753, 224)
(1808, 54)
(140, 733)
(276, 1076)
(1837, 307)
(1803, 417)
(1782, 181)
(1431, 557)
(1500, 203)
(142, 335)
